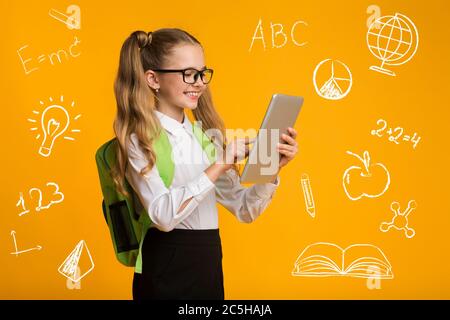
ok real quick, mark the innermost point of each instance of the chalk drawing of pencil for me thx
(307, 192)
(69, 21)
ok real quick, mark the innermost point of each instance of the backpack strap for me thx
(164, 159)
(205, 142)
(145, 221)
(166, 169)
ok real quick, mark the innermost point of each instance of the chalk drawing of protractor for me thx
(69, 267)
(17, 252)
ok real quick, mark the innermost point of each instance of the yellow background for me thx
(259, 257)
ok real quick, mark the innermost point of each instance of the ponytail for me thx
(135, 104)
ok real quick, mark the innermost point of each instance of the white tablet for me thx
(263, 159)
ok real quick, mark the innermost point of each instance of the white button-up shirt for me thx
(190, 180)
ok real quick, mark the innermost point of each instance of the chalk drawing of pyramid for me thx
(69, 267)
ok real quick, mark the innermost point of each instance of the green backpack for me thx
(127, 219)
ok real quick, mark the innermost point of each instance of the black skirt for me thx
(180, 264)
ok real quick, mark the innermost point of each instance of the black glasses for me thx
(190, 75)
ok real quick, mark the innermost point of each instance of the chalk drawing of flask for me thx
(54, 122)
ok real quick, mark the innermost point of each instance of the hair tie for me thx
(149, 38)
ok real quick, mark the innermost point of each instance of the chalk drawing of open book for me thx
(323, 259)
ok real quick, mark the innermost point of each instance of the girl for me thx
(161, 74)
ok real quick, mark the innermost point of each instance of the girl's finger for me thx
(292, 132)
(288, 139)
(287, 147)
(242, 152)
(248, 140)
(287, 153)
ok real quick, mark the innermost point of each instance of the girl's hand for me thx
(235, 151)
(288, 150)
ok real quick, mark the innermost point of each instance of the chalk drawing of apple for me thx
(367, 180)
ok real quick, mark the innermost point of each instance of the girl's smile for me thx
(193, 95)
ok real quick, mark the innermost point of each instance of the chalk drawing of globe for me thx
(393, 40)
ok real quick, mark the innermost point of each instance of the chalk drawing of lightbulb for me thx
(54, 122)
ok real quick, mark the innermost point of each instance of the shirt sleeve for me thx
(246, 203)
(162, 203)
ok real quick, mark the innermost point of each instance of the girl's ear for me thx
(151, 79)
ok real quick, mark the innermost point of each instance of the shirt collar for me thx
(173, 126)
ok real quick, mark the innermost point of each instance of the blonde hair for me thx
(136, 101)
